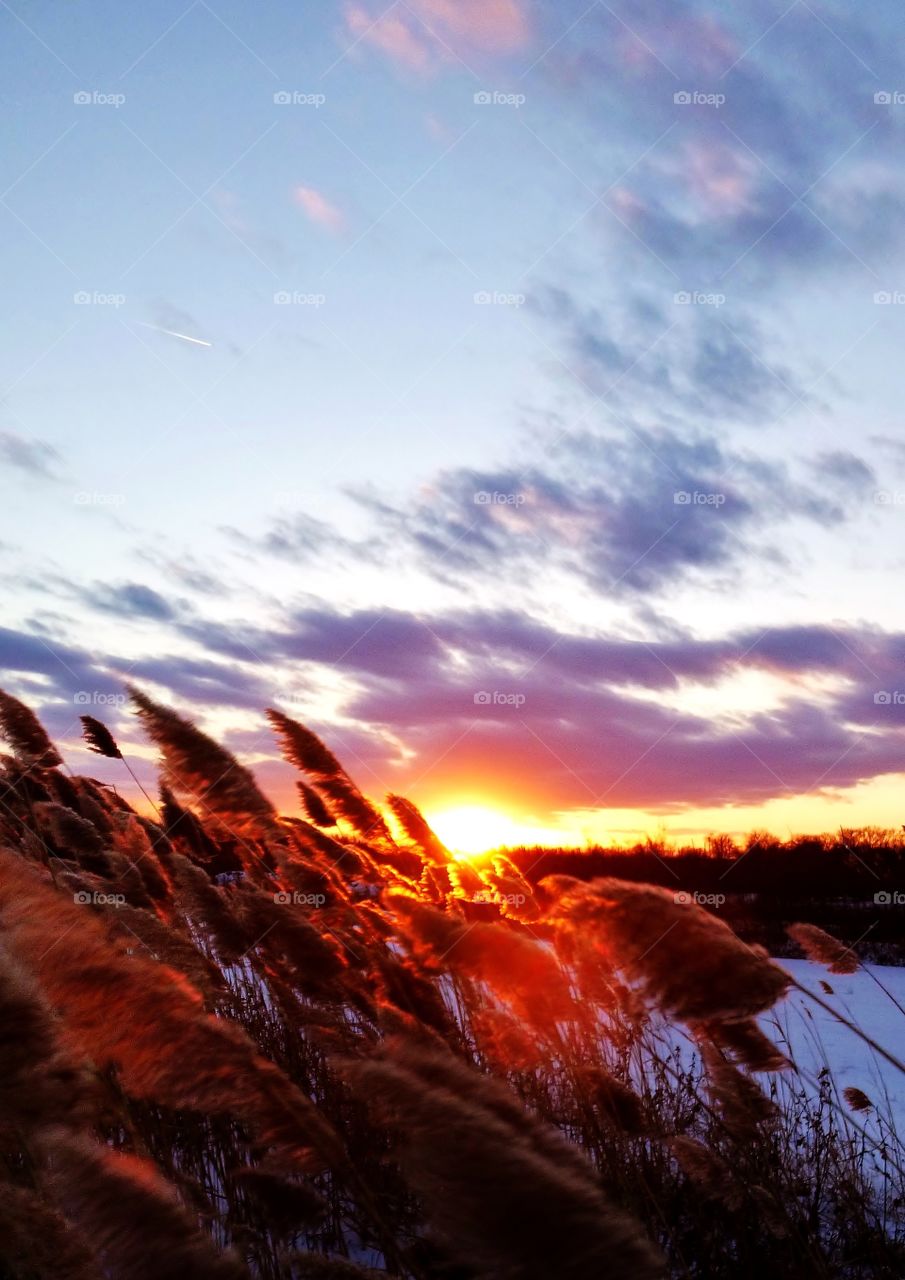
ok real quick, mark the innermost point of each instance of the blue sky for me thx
(543, 352)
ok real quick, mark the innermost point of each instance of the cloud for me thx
(319, 209)
(298, 537)
(78, 680)
(34, 457)
(588, 730)
(798, 172)
(843, 469)
(24, 652)
(129, 600)
(632, 514)
(582, 736)
(498, 26)
(375, 642)
(425, 34)
(657, 356)
(601, 720)
(205, 683)
(186, 569)
(393, 34)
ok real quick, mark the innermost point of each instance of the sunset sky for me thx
(513, 392)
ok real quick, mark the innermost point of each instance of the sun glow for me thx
(470, 829)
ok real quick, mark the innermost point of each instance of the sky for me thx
(509, 390)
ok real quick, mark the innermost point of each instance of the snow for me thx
(813, 1038)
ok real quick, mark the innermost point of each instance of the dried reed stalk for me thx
(207, 771)
(507, 1195)
(688, 962)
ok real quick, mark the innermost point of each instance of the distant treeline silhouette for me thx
(851, 883)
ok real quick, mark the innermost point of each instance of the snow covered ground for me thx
(813, 1037)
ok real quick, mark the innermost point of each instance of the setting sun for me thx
(473, 828)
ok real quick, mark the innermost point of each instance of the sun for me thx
(470, 829)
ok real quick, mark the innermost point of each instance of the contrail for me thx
(199, 342)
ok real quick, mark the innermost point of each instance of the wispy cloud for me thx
(393, 34)
(319, 209)
(424, 34)
(35, 457)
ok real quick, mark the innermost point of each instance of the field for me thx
(236, 1043)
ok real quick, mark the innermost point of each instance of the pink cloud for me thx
(424, 33)
(722, 178)
(391, 34)
(716, 49)
(319, 209)
(628, 204)
(496, 26)
(438, 130)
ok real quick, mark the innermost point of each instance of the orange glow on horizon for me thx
(477, 825)
(471, 829)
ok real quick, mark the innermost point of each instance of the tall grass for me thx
(238, 1043)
